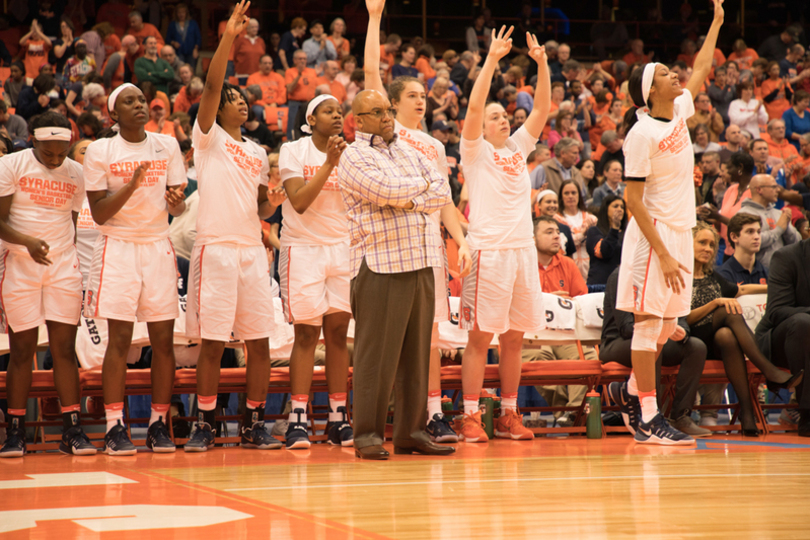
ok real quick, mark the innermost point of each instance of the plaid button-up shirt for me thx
(376, 180)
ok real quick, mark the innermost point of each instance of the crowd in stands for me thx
(750, 135)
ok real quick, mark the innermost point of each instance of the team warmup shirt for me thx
(499, 190)
(229, 175)
(661, 153)
(325, 221)
(109, 165)
(86, 235)
(43, 199)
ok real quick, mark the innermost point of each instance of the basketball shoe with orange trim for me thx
(509, 425)
(470, 428)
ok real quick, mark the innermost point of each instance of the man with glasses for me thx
(777, 230)
(390, 190)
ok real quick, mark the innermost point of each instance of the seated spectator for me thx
(330, 72)
(182, 132)
(743, 268)
(604, 241)
(716, 319)
(764, 162)
(184, 35)
(460, 72)
(778, 145)
(803, 226)
(700, 134)
(247, 52)
(688, 52)
(441, 99)
(564, 126)
(14, 84)
(79, 64)
(141, 30)
(36, 98)
(348, 64)
(185, 73)
(541, 153)
(158, 117)
(518, 119)
(189, 95)
(777, 230)
(587, 169)
(89, 125)
(612, 144)
(572, 212)
(357, 84)
(258, 132)
(35, 44)
(94, 96)
(550, 175)
(336, 37)
(318, 48)
(611, 121)
(406, 68)
(796, 119)
(291, 42)
(776, 93)
(710, 167)
(733, 143)
(743, 55)
(425, 62)
(253, 94)
(16, 127)
(706, 116)
(613, 184)
(547, 206)
(272, 84)
(151, 68)
(801, 166)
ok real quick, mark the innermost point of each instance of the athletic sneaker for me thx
(158, 440)
(470, 428)
(117, 442)
(257, 437)
(340, 433)
(509, 425)
(202, 438)
(74, 441)
(789, 417)
(297, 435)
(630, 405)
(440, 430)
(658, 431)
(14, 446)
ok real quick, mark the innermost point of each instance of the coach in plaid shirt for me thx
(390, 190)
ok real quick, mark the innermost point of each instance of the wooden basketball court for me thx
(552, 487)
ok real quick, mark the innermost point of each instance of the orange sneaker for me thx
(470, 428)
(509, 425)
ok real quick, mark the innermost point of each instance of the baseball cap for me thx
(157, 103)
(439, 125)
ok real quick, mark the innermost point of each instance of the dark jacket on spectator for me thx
(27, 104)
(605, 252)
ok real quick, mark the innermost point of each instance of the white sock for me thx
(470, 406)
(334, 415)
(649, 408)
(299, 403)
(434, 405)
(155, 417)
(113, 417)
(509, 404)
(632, 384)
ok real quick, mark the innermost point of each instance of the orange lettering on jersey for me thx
(331, 184)
(249, 164)
(50, 193)
(513, 166)
(125, 169)
(426, 150)
(677, 140)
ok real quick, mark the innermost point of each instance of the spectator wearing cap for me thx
(273, 87)
(776, 47)
(330, 72)
(158, 119)
(79, 64)
(141, 30)
(318, 48)
(247, 51)
(152, 68)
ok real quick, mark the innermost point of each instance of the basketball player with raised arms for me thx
(502, 295)
(41, 193)
(134, 181)
(229, 284)
(408, 97)
(658, 244)
(314, 267)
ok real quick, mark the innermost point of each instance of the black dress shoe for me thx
(427, 449)
(789, 384)
(371, 452)
(804, 423)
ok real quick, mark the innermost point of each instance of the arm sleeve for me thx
(172, 34)
(78, 197)
(471, 150)
(8, 180)
(202, 141)
(94, 169)
(524, 141)
(176, 174)
(570, 246)
(360, 175)
(577, 286)
(331, 53)
(636, 150)
(289, 164)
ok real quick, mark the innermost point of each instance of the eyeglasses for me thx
(379, 113)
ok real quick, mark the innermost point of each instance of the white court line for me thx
(89, 478)
(495, 480)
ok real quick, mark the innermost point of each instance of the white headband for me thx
(52, 134)
(543, 194)
(306, 128)
(115, 93)
(646, 83)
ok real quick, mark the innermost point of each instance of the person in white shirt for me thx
(40, 284)
(229, 283)
(658, 244)
(502, 295)
(87, 231)
(314, 267)
(409, 97)
(134, 181)
(746, 111)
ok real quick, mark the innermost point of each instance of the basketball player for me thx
(502, 294)
(134, 181)
(408, 96)
(658, 245)
(41, 193)
(314, 267)
(229, 288)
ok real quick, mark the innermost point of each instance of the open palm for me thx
(502, 43)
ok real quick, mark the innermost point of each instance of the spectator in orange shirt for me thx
(743, 55)
(142, 30)
(301, 82)
(776, 92)
(778, 145)
(388, 53)
(274, 90)
(158, 119)
(636, 54)
(688, 52)
(330, 71)
(36, 46)
(425, 62)
(189, 95)
(247, 51)
(336, 31)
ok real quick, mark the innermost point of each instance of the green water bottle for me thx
(593, 415)
(496, 412)
(447, 408)
(486, 406)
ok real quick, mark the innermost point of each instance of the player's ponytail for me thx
(634, 89)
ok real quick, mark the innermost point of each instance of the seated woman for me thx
(604, 242)
(547, 205)
(716, 319)
(572, 213)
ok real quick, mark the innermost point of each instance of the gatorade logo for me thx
(565, 304)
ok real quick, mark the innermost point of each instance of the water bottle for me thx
(593, 415)
(486, 405)
(447, 408)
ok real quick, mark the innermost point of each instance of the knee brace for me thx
(645, 335)
(667, 329)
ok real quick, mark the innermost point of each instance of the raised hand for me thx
(501, 43)
(38, 249)
(175, 195)
(536, 51)
(276, 196)
(138, 175)
(375, 7)
(719, 12)
(334, 149)
(238, 20)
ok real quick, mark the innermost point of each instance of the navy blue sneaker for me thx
(117, 442)
(340, 433)
(630, 405)
(257, 437)
(297, 435)
(202, 438)
(14, 445)
(658, 431)
(75, 442)
(158, 440)
(439, 429)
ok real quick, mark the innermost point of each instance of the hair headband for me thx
(52, 134)
(313, 104)
(115, 93)
(543, 193)
(646, 84)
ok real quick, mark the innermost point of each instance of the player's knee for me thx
(645, 334)
(667, 328)
(307, 336)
